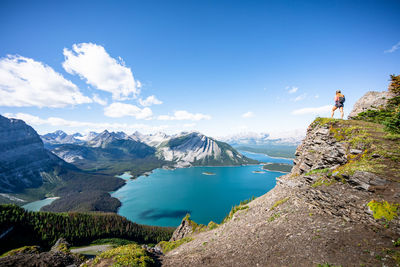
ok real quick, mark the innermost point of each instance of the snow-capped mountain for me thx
(87, 137)
(154, 139)
(106, 137)
(259, 139)
(183, 150)
(60, 137)
(194, 148)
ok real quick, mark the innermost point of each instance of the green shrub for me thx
(128, 255)
(233, 211)
(167, 246)
(383, 209)
(212, 225)
(279, 202)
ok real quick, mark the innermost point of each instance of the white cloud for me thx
(293, 90)
(151, 100)
(184, 115)
(85, 126)
(300, 97)
(97, 99)
(92, 63)
(189, 125)
(316, 96)
(394, 48)
(117, 110)
(25, 82)
(248, 114)
(316, 110)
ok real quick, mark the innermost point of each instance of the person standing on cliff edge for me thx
(339, 103)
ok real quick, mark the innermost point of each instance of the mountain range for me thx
(28, 171)
(180, 150)
(264, 139)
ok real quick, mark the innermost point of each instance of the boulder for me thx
(371, 100)
(364, 180)
(60, 245)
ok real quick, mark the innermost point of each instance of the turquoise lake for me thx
(265, 158)
(36, 205)
(165, 196)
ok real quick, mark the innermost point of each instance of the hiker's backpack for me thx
(342, 99)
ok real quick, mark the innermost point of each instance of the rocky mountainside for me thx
(29, 172)
(195, 148)
(60, 137)
(24, 162)
(106, 137)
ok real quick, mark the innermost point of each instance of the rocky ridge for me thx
(320, 213)
(24, 160)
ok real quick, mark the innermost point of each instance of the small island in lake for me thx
(208, 173)
(280, 167)
(258, 171)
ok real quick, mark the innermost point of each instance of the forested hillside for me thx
(44, 228)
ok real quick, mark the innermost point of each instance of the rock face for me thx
(371, 100)
(104, 138)
(319, 150)
(23, 158)
(183, 230)
(313, 218)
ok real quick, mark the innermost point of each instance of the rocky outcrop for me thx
(319, 150)
(371, 100)
(183, 230)
(58, 256)
(23, 158)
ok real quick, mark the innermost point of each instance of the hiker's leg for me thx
(333, 111)
(341, 112)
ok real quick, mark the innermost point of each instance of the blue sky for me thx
(218, 67)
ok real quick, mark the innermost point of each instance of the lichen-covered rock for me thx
(371, 100)
(319, 150)
(61, 245)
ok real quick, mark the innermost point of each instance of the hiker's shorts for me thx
(339, 105)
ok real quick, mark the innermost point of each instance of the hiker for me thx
(339, 100)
